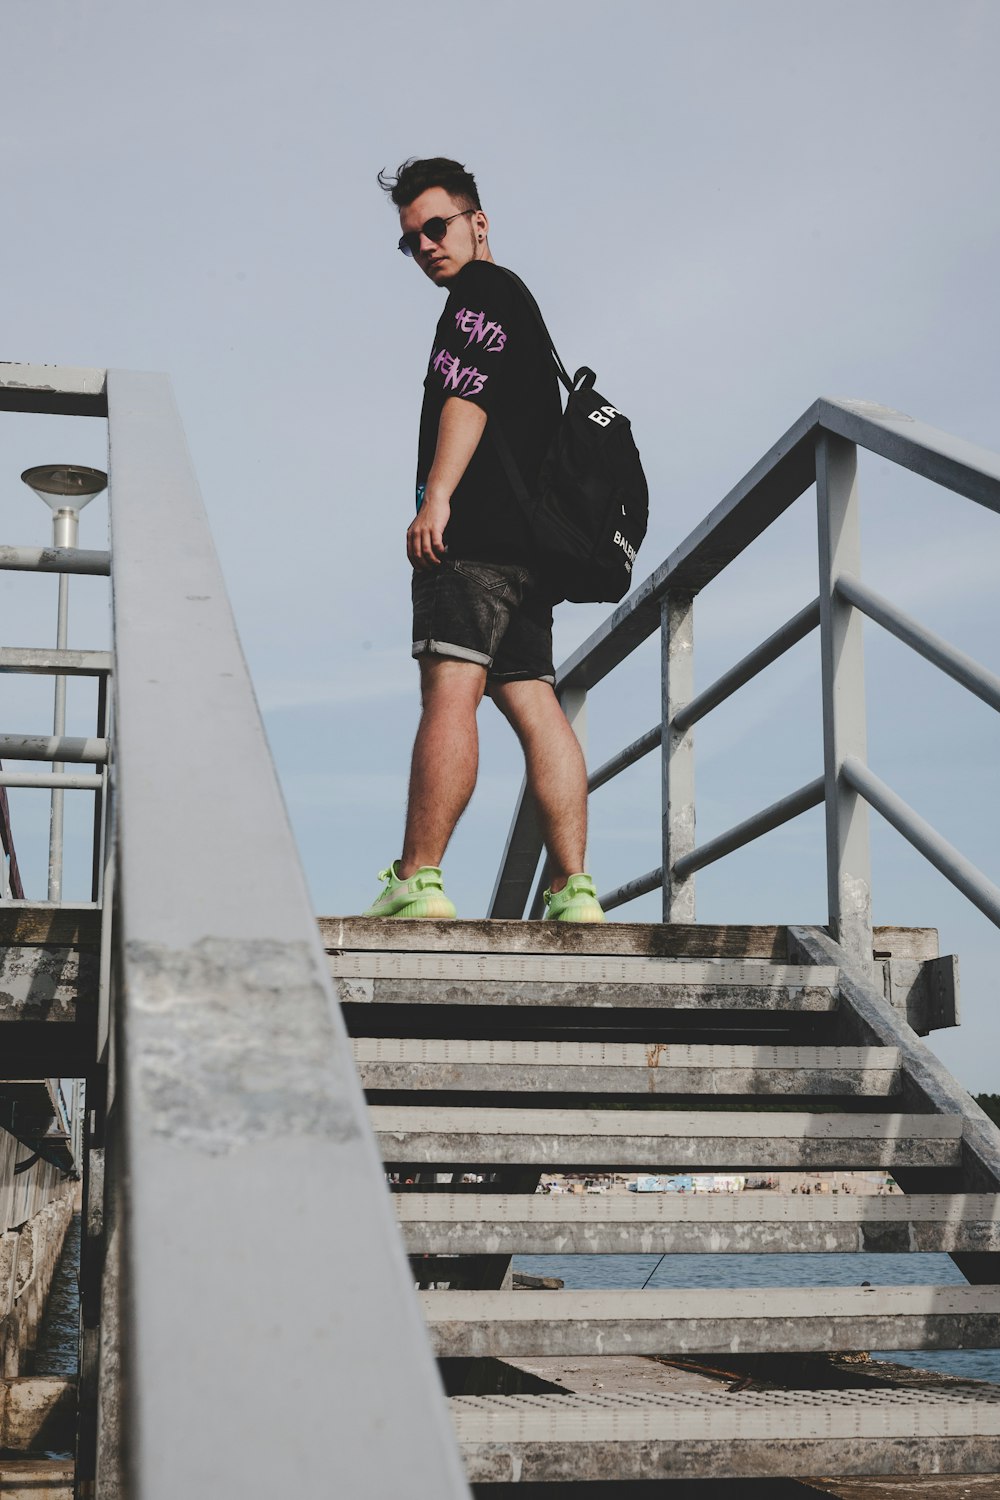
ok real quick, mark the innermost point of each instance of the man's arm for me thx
(459, 430)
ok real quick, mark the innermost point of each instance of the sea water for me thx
(629, 1272)
(57, 1347)
(56, 1352)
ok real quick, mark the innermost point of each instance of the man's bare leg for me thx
(557, 773)
(445, 759)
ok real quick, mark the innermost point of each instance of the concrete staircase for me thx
(510, 1049)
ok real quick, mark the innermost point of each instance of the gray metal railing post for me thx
(65, 531)
(677, 752)
(848, 859)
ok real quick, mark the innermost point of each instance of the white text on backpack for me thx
(628, 551)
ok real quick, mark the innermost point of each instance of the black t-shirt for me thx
(489, 349)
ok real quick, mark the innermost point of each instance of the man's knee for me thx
(525, 704)
(446, 680)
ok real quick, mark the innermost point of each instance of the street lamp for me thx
(65, 489)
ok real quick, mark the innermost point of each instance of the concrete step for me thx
(623, 1067)
(712, 1320)
(37, 1412)
(36, 1478)
(652, 939)
(432, 978)
(695, 1224)
(733, 1140)
(753, 1434)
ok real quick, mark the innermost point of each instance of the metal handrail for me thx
(80, 750)
(632, 753)
(643, 885)
(952, 864)
(784, 638)
(55, 560)
(68, 780)
(820, 448)
(785, 472)
(229, 1080)
(978, 679)
(769, 818)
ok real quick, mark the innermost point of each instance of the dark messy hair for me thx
(417, 175)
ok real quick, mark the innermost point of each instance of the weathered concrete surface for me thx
(27, 924)
(698, 940)
(925, 992)
(662, 1140)
(37, 1414)
(913, 1487)
(928, 1082)
(563, 969)
(46, 984)
(544, 1067)
(36, 1478)
(600, 995)
(712, 1321)
(661, 1223)
(28, 1260)
(583, 1457)
(653, 939)
(624, 1374)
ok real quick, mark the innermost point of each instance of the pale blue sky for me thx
(727, 209)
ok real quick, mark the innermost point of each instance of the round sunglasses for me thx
(435, 229)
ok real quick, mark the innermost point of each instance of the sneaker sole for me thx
(581, 914)
(428, 907)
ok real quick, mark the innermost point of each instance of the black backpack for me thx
(588, 512)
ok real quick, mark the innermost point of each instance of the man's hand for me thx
(425, 537)
(459, 430)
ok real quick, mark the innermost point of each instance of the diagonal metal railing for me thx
(821, 450)
(250, 1325)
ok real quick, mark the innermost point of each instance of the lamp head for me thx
(65, 486)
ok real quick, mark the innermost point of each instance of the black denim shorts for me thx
(489, 613)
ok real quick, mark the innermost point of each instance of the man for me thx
(481, 619)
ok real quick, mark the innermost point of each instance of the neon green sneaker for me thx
(576, 902)
(421, 895)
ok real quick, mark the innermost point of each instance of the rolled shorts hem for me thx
(499, 678)
(465, 653)
(457, 653)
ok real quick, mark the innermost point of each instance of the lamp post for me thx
(65, 489)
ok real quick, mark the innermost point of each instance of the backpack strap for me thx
(561, 370)
(583, 377)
